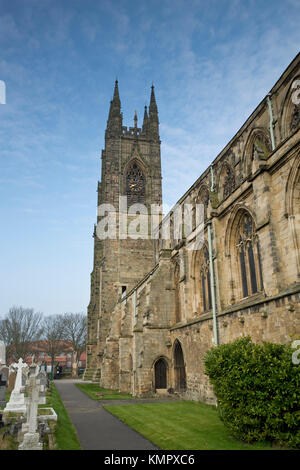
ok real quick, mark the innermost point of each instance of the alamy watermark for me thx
(138, 221)
(2, 92)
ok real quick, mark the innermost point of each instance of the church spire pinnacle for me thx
(153, 115)
(114, 122)
(145, 121)
(116, 97)
(153, 105)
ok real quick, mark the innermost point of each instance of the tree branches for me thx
(19, 329)
(25, 332)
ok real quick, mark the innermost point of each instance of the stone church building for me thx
(158, 304)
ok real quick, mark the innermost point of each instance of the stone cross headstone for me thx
(18, 383)
(2, 353)
(17, 398)
(31, 436)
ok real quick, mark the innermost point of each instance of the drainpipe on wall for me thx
(133, 345)
(211, 269)
(271, 120)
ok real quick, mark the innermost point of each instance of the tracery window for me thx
(249, 256)
(135, 182)
(295, 119)
(258, 148)
(228, 185)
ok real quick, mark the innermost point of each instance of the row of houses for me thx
(63, 358)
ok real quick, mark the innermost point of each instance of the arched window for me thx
(257, 149)
(261, 146)
(292, 212)
(295, 95)
(135, 183)
(228, 182)
(295, 118)
(247, 245)
(289, 114)
(199, 214)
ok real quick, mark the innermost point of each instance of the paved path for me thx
(96, 428)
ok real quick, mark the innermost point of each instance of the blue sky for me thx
(211, 64)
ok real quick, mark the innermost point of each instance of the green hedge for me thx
(257, 389)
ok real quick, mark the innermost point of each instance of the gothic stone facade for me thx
(156, 335)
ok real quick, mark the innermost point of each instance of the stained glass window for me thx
(249, 257)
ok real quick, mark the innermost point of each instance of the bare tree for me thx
(75, 333)
(53, 340)
(19, 329)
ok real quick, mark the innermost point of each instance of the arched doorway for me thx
(179, 368)
(160, 374)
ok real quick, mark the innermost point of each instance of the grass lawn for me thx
(181, 425)
(8, 443)
(96, 392)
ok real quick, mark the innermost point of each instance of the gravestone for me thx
(17, 399)
(2, 424)
(42, 377)
(11, 380)
(2, 389)
(3, 373)
(31, 436)
(24, 377)
(43, 381)
(4, 370)
(2, 353)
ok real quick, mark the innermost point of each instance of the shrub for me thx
(257, 390)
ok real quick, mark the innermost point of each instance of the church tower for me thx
(131, 169)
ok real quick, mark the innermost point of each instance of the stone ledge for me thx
(259, 300)
(51, 416)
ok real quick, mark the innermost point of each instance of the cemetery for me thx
(25, 416)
